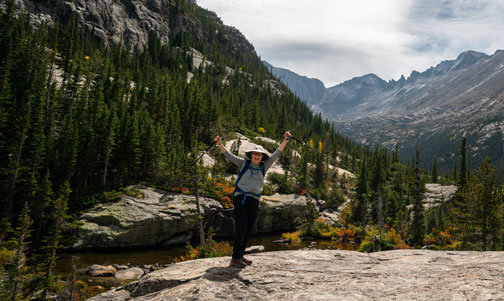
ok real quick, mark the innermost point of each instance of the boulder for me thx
(120, 267)
(254, 249)
(149, 221)
(278, 212)
(326, 275)
(99, 270)
(129, 274)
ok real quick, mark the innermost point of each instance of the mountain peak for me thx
(310, 90)
(467, 58)
(370, 79)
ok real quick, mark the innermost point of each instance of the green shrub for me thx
(133, 192)
(335, 199)
(98, 198)
(285, 184)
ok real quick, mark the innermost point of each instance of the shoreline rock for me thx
(327, 275)
(155, 220)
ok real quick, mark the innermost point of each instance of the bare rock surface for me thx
(129, 274)
(327, 275)
(100, 270)
(437, 193)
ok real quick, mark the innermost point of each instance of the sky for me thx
(336, 40)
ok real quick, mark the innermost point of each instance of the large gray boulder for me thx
(148, 221)
(278, 212)
(129, 274)
(327, 275)
(100, 270)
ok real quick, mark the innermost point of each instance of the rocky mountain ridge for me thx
(434, 109)
(310, 90)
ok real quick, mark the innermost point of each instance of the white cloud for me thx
(337, 40)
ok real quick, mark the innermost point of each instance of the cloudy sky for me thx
(336, 40)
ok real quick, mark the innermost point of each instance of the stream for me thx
(138, 257)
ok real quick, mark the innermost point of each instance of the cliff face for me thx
(327, 275)
(126, 20)
(131, 21)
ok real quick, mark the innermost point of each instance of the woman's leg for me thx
(240, 217)
(252, 205)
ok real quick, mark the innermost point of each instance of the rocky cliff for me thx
(130, 21)
(327, 275)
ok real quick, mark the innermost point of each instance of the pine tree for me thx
(53, 240)
(360, 209)
(462, 176)
(480, 203)
(14, 282)
(417, 230)
(434, 177)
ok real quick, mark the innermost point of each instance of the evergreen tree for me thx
(17, 269)
(481, 204)
(434, 177)
(47, 263)
(360, 206)
(462, 177)
(417, 230)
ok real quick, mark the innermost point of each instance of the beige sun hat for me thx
(257, 149)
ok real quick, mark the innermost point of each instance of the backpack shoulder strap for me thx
(242, 172)
(262, 168)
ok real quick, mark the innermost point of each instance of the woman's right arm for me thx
(220, 145)
(234, 159)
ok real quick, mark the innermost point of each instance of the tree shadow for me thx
(225, 274)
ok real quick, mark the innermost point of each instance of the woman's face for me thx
(256, 157)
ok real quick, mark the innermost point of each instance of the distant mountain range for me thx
(433, 109)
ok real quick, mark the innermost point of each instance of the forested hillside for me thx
(75, 110)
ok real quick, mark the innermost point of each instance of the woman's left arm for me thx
(276, 154)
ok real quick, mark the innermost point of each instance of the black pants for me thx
(245, 216)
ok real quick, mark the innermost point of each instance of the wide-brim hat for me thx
(257, 149)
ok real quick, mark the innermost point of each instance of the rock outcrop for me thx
(278, 212)
(157, 221)
(117, 21)
(134, 222)
(437, 193)
(327, 275)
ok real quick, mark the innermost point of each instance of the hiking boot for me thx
(246, 261)
(237, 263)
